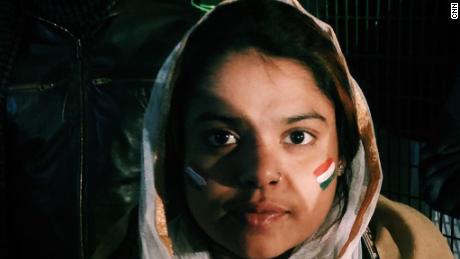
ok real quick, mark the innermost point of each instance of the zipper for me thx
(78, 53)
(30, 87)
(368, 241)
(101, 81)
(82, 193)
(105, 80)
(33, 87)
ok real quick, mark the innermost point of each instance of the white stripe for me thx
(198, 179)
(328, 173)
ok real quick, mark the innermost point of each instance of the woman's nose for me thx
(261, 168)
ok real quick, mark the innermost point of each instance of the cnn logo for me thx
(454, 11)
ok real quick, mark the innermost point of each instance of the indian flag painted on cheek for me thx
(325, 173)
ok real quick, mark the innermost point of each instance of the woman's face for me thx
(257, 131)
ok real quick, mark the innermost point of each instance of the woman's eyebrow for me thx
(306, 116)
(210, 116)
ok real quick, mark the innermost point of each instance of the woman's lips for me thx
(257, 220)
(258, 215)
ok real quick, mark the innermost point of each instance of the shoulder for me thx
(402, 232)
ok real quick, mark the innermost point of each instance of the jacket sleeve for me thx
(403, 232)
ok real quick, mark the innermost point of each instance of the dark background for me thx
(404, 54)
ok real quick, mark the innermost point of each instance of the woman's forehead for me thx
(258, 85)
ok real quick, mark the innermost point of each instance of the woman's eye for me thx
(221, 138)
(298, 137)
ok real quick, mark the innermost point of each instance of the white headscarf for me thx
(341, 240)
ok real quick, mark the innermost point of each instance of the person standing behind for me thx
(74, 99)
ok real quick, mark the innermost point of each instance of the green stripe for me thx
(326, 183)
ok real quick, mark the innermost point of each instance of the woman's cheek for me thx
(310, 192)
(210, 198)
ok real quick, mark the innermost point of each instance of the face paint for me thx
(194, 178)
(325, 173)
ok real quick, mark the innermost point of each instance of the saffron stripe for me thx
(323, 167)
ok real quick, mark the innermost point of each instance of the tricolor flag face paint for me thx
(194, 178)
(325, 173)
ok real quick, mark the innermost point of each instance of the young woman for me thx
(258, 143)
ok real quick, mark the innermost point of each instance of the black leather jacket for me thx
(74, 120)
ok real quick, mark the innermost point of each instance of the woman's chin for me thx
(260, 244)
(264, 253)
(260, 250)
